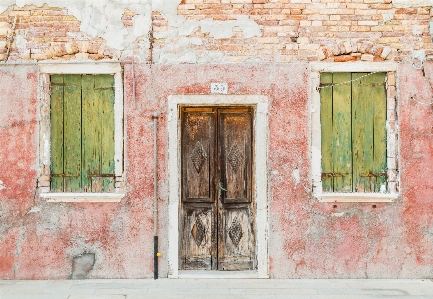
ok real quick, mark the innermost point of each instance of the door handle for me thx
(220, 187)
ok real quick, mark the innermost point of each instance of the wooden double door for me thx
(217, 230)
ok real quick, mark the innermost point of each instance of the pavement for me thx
(217, 288)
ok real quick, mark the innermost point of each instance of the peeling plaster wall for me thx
(307, 239)
(77, 30)
(192, 45)
(40, 240)
(187, 31)
(18, 135)
(101, 18)
(18, 169)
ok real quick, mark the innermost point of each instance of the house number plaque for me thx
(219, 87)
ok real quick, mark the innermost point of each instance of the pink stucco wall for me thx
(18, 139)
(307, 239)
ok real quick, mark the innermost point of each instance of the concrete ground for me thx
(217, 288)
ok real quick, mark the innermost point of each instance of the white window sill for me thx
(356, 197)
(82, 197)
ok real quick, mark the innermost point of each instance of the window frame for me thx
(392, 193)
(110, 68)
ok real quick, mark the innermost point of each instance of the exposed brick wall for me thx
(306, 238)
(47, 33)
(371, 30)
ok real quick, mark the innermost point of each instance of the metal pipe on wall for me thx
(156, 254)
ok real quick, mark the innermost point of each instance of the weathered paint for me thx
(306, 238)
(174, 31)
(101, 18)
(82, 133)
(353, 132)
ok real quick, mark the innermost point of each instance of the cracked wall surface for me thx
(219, 31)
(181, 46)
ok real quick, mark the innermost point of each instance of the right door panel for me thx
(236, 239)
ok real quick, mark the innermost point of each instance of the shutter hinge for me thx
(101, 175)
(371, 174)
(62, 175)
(333, 174)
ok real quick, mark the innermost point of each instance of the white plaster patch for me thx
(388, 16)
(416, 30)
(21, 42)
(179, 26)
(183, 53)
(316, 159)
(2, 186)
(340, 214)
(222, 29)
(168, 8)
(104, 19)
(186, 55)
(34, 210)
(419, 55)
(101, 18)
(296, 176)
(46, 139)
(196, 41)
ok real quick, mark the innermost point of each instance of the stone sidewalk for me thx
(217, 288)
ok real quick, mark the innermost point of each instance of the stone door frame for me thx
(260, 174)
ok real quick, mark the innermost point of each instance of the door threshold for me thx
(217, 274)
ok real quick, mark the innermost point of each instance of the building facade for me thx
(293, 138)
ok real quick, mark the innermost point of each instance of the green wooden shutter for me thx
(72, 133)
(326, 133)
(82, 133)
(353, 128)
(56, 115)
(379, 166)
(104, 84)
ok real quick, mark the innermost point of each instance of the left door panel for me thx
(198, 244)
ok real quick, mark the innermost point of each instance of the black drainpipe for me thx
(156, 254)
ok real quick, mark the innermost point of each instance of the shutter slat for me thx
(72, 133)
(91, 136)
(362, 128)
(57, 132)
(326, 132)
(379, 106)
(342, 145)
(104, 87)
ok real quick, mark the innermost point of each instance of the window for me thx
(82, 133)
(353, 129)
(354, 132)
(81, 145)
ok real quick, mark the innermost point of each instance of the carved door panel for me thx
(217, 213)
(197, 235)
(236, 240)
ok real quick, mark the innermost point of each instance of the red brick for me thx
(344, 58)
